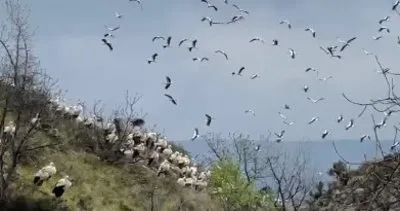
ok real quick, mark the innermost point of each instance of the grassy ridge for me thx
(97, 185)
(101, 186)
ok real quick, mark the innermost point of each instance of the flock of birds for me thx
(46, 172)
(333, 51)
(137, 145)
(153, 150)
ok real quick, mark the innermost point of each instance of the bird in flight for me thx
(364, 137)
(346, 43)
(240, 10)
(195, 134)
(200, 59)
(235, 19)
(313, 119)
(310, 68)
(138, 2)
(223, 53)
(171, 99)
(108, 35)
(208, 119)
(280, 134)
(194, 43)
(340, 118)
(153, 58)
(157, 38)
(292, 53)
(350, 124)
(209, 20)
(330, 51)
(105, 41)
(395, 5)
(286, 106)
(257, 39)
(384, 28)
(394, 145)
(254, 76)
(168, 83)
(325, 133)
(367, 52)
(315, 100)
(168, 42)
(241, 70)
(182, 41)
(377, 38)
(282, 115)
(250, 111)
(385, 19)
(311, 30)
(325, 78)
(119, 16)
(113, 28)
(288, 123)
(209, 5)
(287, 23)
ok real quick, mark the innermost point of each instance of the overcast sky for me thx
(68, 43)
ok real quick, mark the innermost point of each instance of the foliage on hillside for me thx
(372, 186)
(231, 187)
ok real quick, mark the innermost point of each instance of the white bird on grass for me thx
(61, 186)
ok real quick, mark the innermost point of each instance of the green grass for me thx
(96, 185)
(101, 186)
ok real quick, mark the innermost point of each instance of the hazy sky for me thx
(68, 43)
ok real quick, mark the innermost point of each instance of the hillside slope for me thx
(101, 186)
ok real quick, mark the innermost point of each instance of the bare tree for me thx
(24, 92)
(292, 182)
(261, 162)
(373, 185)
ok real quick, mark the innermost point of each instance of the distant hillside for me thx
(372, 186)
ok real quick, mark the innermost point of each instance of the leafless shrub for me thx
(25, 91)
(290, 176)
